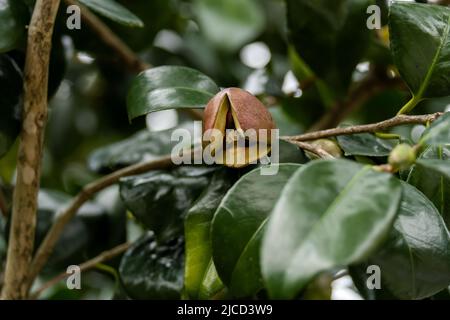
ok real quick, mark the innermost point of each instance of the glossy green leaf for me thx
(420, 44)
(13, 18)
(142, 146)
(365, 144)
(114, 11)
(359, 274)
(201, 279)
(433, 183)
(229, 24)
(415, 261)
(169, 87)
(238, 226)
(330, 214)
(331, 36)
(439, 131)
(153, 271)
(161, 199)
(86, 235)
(11, 85)
(439, 166)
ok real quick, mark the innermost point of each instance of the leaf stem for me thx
(387, 136)
(408, 107)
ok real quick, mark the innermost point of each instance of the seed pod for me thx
(245, 126)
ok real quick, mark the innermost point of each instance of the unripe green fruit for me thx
(327, 145)
(402, 157)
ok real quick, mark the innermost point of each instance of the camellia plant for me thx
(98, 97)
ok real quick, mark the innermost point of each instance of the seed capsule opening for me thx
(245, 126)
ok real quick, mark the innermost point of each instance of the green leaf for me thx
(359, 274)
(415, 261)
(433, 183)
(169, 87)
(81, 238)
(229, 24)
(13, 18)
(439, 166)
(201, 279)
(420, 44)
(439, 131)
(153, 271)
(114, 11)
(11, 85)
(365, 144)
(161, 199)
(238, 226)
(143, 146)
(330, 214)
(331, 36)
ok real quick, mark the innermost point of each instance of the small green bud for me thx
(330, 146)
(402, 157)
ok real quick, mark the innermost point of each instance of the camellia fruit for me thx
(242, 128)
(402, 157)
(327, 145)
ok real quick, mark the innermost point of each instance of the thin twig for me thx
(21, 237)
(311, 148)
(374, 127)
(131, 60)
(90, 264)
(46, 248)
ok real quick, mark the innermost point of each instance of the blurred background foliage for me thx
(240, 43)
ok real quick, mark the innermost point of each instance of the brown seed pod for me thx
(233, 111)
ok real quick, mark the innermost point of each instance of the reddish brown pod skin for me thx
(249, 111)
(233, 111)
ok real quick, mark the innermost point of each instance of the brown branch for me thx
(21, 238)
(2, 275)
(374, 127)
(90, 264)
(368, 88)
(66, 214)
(132, 61)
(3, 205)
